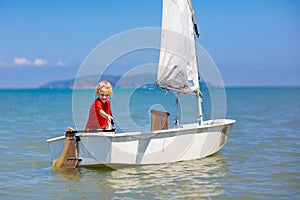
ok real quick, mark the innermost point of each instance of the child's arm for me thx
(110, 118)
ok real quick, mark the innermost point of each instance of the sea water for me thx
(260, 161)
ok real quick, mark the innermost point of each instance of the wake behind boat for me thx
(177, 72)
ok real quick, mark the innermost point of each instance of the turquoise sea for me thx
(260, 161)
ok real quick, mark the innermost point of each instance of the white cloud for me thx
(61, 63)
(24, 61)
(40, 62)
(21, 61)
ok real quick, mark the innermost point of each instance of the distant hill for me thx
(144, 80)
(134, 81)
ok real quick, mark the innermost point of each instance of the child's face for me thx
(103, 94)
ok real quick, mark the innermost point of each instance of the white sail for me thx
(177, 69)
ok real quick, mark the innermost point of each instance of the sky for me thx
(253, 43)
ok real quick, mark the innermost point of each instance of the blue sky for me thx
(253, 43)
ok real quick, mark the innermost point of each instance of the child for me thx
(100, 114)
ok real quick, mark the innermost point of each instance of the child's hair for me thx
(106, 85)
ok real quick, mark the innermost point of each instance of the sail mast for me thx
(198, 94)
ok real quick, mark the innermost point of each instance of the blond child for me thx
(100, 115)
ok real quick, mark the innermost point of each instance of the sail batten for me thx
(177, 69)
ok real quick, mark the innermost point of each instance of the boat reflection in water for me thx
(193, 178)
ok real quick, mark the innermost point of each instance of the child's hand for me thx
(110, 122)
(110, 118)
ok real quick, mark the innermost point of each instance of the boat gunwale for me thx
(186, 127)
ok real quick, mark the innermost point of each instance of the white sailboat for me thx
(177, 72)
